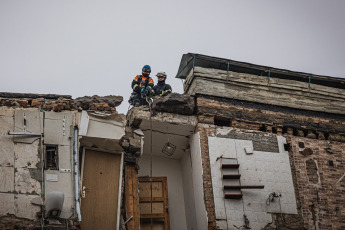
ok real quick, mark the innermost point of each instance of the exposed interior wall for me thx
(58, 130)
(197, 176)
(20, 170)
(170, 168)
(320, 181)
(21, 162)
(269, 166)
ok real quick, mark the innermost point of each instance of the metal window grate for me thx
(51, 157)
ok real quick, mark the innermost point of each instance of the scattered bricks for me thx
(289, 131)
(269, 129)
(336, 137)
(320, 135)
(58, 103)
(23, 103)
(37, 102)
(300, 133)
(47, 107)
(56, 108)
(311, 134)
(306, 152)
(279, 130)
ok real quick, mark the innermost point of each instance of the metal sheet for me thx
(57, 128)
(28, 120)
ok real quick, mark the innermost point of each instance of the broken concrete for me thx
(138, 114)
(174, 103)
(87, 103)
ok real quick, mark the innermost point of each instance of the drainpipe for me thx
(76, 173)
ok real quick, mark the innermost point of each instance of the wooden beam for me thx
(132, 197)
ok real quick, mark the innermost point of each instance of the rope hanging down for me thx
(150, 107)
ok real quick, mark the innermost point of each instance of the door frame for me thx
(120, 179)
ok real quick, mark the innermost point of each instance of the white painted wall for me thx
(56, 133)
(261, 168)
(170, 168)
(197, 172)
(188, 190)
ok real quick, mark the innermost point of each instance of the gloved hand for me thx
(144, 91)
(137, 89)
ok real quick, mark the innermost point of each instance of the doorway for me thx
(100, 190)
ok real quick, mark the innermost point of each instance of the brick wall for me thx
(207, 181)
(319, 167)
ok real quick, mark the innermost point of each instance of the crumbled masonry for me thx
(174, 103)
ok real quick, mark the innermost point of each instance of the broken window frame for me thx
(51, 162)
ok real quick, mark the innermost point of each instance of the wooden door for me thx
(160, 206)
(99, 205)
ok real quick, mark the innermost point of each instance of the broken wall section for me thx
(58, 103)
(320, 171)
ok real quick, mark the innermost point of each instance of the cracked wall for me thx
(17, 163)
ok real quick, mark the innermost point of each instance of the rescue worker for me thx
(142, 86)
(162, 89)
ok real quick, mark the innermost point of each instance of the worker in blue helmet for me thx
(142, 86)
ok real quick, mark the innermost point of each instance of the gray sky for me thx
(97, 47)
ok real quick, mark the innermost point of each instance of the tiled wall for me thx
(271, 169)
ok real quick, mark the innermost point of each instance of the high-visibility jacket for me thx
(140, 82)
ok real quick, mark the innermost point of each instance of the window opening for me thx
(51, 157)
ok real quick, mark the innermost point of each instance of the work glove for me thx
(138, 89)
(144, 91)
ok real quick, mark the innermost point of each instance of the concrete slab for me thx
(58, 128)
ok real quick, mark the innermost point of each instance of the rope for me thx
(150, 107)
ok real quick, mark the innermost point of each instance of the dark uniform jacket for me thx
(162, 89)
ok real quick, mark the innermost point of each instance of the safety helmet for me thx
(161, 74)
(146, 68)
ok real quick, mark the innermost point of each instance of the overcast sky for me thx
(97, 47)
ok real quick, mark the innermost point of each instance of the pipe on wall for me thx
(76, 173)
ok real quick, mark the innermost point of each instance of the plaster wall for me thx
(197, 177)
(188, 190)
(271, 169)
(58, 130)
(21, 160)
(18, 163)
(170, 168)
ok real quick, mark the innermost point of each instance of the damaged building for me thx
(245, 147)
